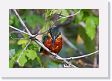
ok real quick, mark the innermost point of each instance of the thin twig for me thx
(18, 30)
(23, 51)
(58, 20)
(70, 15)
(21, 21)
(72, 58)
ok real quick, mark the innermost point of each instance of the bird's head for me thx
(54, 33)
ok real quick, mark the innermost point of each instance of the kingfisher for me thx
(52, 40)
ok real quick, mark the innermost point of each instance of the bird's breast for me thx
(57, 45)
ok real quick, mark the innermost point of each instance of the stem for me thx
(70, 15)
(72, 58)
(18, 30)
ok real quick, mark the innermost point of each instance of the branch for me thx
(72, 58)
(54, 54)
(58, 20)
(23, 51)
(21, 31)
(18, 30)
(21, 21)
(42, 45)
(38, 42)
(70, 15)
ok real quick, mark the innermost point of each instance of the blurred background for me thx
(80, 37)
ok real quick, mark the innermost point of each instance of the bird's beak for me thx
(53, 40)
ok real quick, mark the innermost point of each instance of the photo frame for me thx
(101, 72)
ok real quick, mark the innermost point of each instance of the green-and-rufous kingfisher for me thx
(52, 40)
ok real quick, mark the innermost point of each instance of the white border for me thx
(102, 71)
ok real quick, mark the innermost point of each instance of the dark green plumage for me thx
(54, 31)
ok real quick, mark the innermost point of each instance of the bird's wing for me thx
(44, 38)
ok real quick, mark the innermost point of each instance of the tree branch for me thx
(21, 21)
(86, 55)
(42, 45)
(19, 30)
(54, 54)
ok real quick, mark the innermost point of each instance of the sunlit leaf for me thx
(62, 20)
(11, 62)
(22, 60)
(22, 41)
(46, 26)
(64, 12)
(90, 27)
(79, 17)
(31, 54)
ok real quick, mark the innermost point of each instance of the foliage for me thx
(40, 20)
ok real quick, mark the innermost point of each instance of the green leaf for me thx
(88, 43)
(90, 27)
(33, 20)
(10, 22)
(13, 20)
(11, 52)
(31, 54)
(64, 12)
(22, 41)
(96, 20)
(46, 26)
(33, 46)
(79, 17)
(11, 62)
(22, 60)
(25, 36)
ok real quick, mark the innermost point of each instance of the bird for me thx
(52, 40)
